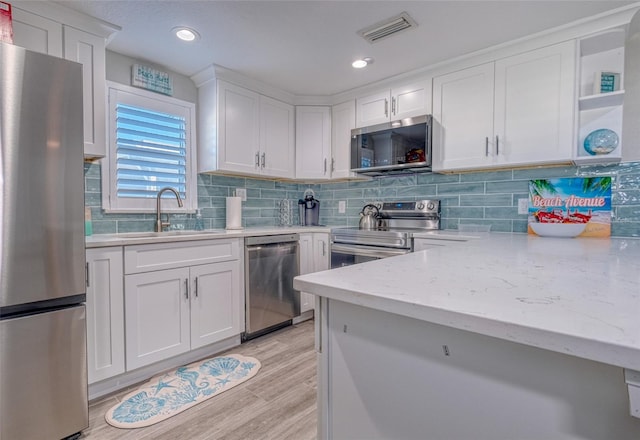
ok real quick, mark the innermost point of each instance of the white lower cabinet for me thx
(215, 302)
(314, 257)
(105, 313)
(171, 311)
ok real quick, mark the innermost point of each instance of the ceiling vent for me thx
(387, 28)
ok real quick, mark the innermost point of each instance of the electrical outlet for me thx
(242, 193)
(523, 206)
(342, 206)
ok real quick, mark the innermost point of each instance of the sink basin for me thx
(169, 233)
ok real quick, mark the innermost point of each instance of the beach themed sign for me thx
(570, 207)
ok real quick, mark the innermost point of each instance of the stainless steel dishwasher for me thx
(271, 263)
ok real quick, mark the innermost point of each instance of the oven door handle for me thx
(367, 251)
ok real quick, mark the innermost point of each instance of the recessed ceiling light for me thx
(363, 62)
(185, 33)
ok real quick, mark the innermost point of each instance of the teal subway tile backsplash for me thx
(489, 198)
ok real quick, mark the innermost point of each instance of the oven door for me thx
(348, 254)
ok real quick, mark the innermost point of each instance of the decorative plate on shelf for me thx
(601, 141)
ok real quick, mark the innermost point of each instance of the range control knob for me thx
(420, 206)
(431, 206)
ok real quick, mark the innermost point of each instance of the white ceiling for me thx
(306, 47)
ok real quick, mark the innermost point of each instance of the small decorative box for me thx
(606, 82)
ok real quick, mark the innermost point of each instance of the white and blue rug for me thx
(171, 393)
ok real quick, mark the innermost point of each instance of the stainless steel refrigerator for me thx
(43, 373)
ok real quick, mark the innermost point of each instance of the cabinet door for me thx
(215, 302)
(321, 251)
(238, 129)
(463, 119)
(343, 120)
(36, 33)
(105, 313)
(411, 100)
(277, 143)
(89, 50)
(156, 316)
(373, 109)
(313, 142)
(534, 106)
(306, 266)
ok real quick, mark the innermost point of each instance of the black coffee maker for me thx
(309, 209)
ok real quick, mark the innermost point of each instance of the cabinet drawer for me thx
(149, 257)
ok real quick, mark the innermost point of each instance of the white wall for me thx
(119, 70)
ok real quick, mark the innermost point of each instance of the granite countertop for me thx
(575, 296)
(105, 240)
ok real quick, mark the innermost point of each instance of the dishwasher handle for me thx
(271, 239)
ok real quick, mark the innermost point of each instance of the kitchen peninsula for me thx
(500, 337)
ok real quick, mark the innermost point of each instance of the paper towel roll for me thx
(234, 212)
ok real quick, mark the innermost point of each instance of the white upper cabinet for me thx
(238, 134)
(34, 32)
(463, 118)
(313, 142)
(252, 134)
(397, 103)
(515, 111)
(89, 50)
(277, 142)
(37, 33)
(343, 120)
(534, 106)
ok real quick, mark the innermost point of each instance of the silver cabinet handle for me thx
(257, 158)
(325, 165)
(333, 164)
(393, 105)
(186, 288)
(486, 146)
(86, 274)
(324, 249)
(263, 159)
(195, 291)
(497, 145)
(386, 107)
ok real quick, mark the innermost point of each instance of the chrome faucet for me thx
(159, 223)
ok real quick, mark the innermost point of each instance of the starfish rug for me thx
(171, 393)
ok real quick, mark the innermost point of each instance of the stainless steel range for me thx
(398, 221)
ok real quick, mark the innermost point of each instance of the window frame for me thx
(111, 203)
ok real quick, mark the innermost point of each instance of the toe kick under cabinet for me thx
(179, 297)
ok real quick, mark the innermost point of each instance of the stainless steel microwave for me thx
(403, 145)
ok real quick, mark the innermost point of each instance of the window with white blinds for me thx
(150, 149)
(150, 152)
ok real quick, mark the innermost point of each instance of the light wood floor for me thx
(278, 403)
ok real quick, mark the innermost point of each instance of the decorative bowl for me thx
(601, 141)
(567, 230)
